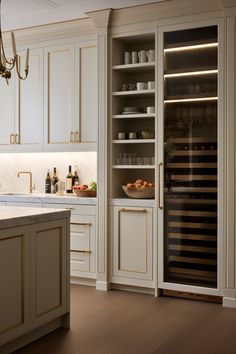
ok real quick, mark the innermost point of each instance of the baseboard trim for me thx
(82, 281)
(102, 285)
(133, 289)
(229, 302)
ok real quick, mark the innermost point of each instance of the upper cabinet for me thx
(71, 97)
(86, 67)
(56, 107)
(59, 97)
(22, 107)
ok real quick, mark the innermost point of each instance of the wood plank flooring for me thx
(119, 322)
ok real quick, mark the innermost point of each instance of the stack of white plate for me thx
(132, 110)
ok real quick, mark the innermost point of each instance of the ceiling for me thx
(27, 13)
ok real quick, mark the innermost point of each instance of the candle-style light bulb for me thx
(13, 44)
(27, 60)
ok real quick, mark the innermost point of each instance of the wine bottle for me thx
(54, 181)
(48, 183)
(75, 177)
(69, 181)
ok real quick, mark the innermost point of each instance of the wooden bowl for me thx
(85, 193)
(141, 193)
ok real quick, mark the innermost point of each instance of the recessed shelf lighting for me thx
(200, 99)
(192, 73)
(191, 47)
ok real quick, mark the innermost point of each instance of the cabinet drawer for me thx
(80, 237)
(79, 261)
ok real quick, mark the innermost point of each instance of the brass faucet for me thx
(31, 187)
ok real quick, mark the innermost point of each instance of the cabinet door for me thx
(14, 280)
(7, 93)
(132, 243)
(59, 97)
(50, 253)
(29, 118)
(86, 92)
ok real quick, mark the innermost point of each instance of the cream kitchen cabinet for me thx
(22, 108)
(82, 239)
(132, 246)
(71, 97)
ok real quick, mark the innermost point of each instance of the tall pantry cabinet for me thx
(182, 243)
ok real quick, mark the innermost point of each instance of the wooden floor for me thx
(129, 323)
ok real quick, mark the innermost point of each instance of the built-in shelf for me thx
(133, 167)
(134, 93)
(134, 141)
(191, 97)
(133, 116)
(140, 67)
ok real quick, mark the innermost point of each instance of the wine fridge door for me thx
(190, 156)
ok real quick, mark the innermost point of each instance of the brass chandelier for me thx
(6, 64)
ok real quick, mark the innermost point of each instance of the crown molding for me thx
(60, 30)
(100, 18)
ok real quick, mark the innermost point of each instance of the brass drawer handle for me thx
(81, 223)
(133, 210)
(82, 251)
(69, 208)
(159, 185)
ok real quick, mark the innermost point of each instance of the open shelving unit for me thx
(126, 153)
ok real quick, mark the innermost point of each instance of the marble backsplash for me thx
(38, 164)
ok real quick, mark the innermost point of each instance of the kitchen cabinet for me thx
(35, 290)
(82, 239)
(71, 108)
(132, 246)
(15, 313)
(22, 108)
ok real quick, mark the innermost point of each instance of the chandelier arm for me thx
(18, 69)
(12, 61)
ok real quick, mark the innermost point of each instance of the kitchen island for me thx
(34, 274)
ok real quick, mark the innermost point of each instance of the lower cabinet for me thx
(33, 277)
(82, 239)
(132, 246)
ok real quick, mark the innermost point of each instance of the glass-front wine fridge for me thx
(190, 156)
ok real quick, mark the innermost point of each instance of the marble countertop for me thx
(46, 198)
(11, 216)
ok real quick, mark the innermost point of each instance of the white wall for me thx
(38, 163)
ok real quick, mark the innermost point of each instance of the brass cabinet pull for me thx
(82, 251)
(69, 208)
(81, 223)
(77, 137)
(12, 139)
(72, 137)
(133, 210)
(17, 139)
(159, 185)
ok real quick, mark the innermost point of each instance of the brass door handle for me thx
(133, 210)
(12, 138)
(160, 165)
(81, 251)
(72, 137)
(17, 139)
(77, 137)
(81, 223)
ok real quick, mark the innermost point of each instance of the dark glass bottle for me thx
(75, 177)
(48, 183)
(54, 181)
(69, 181)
